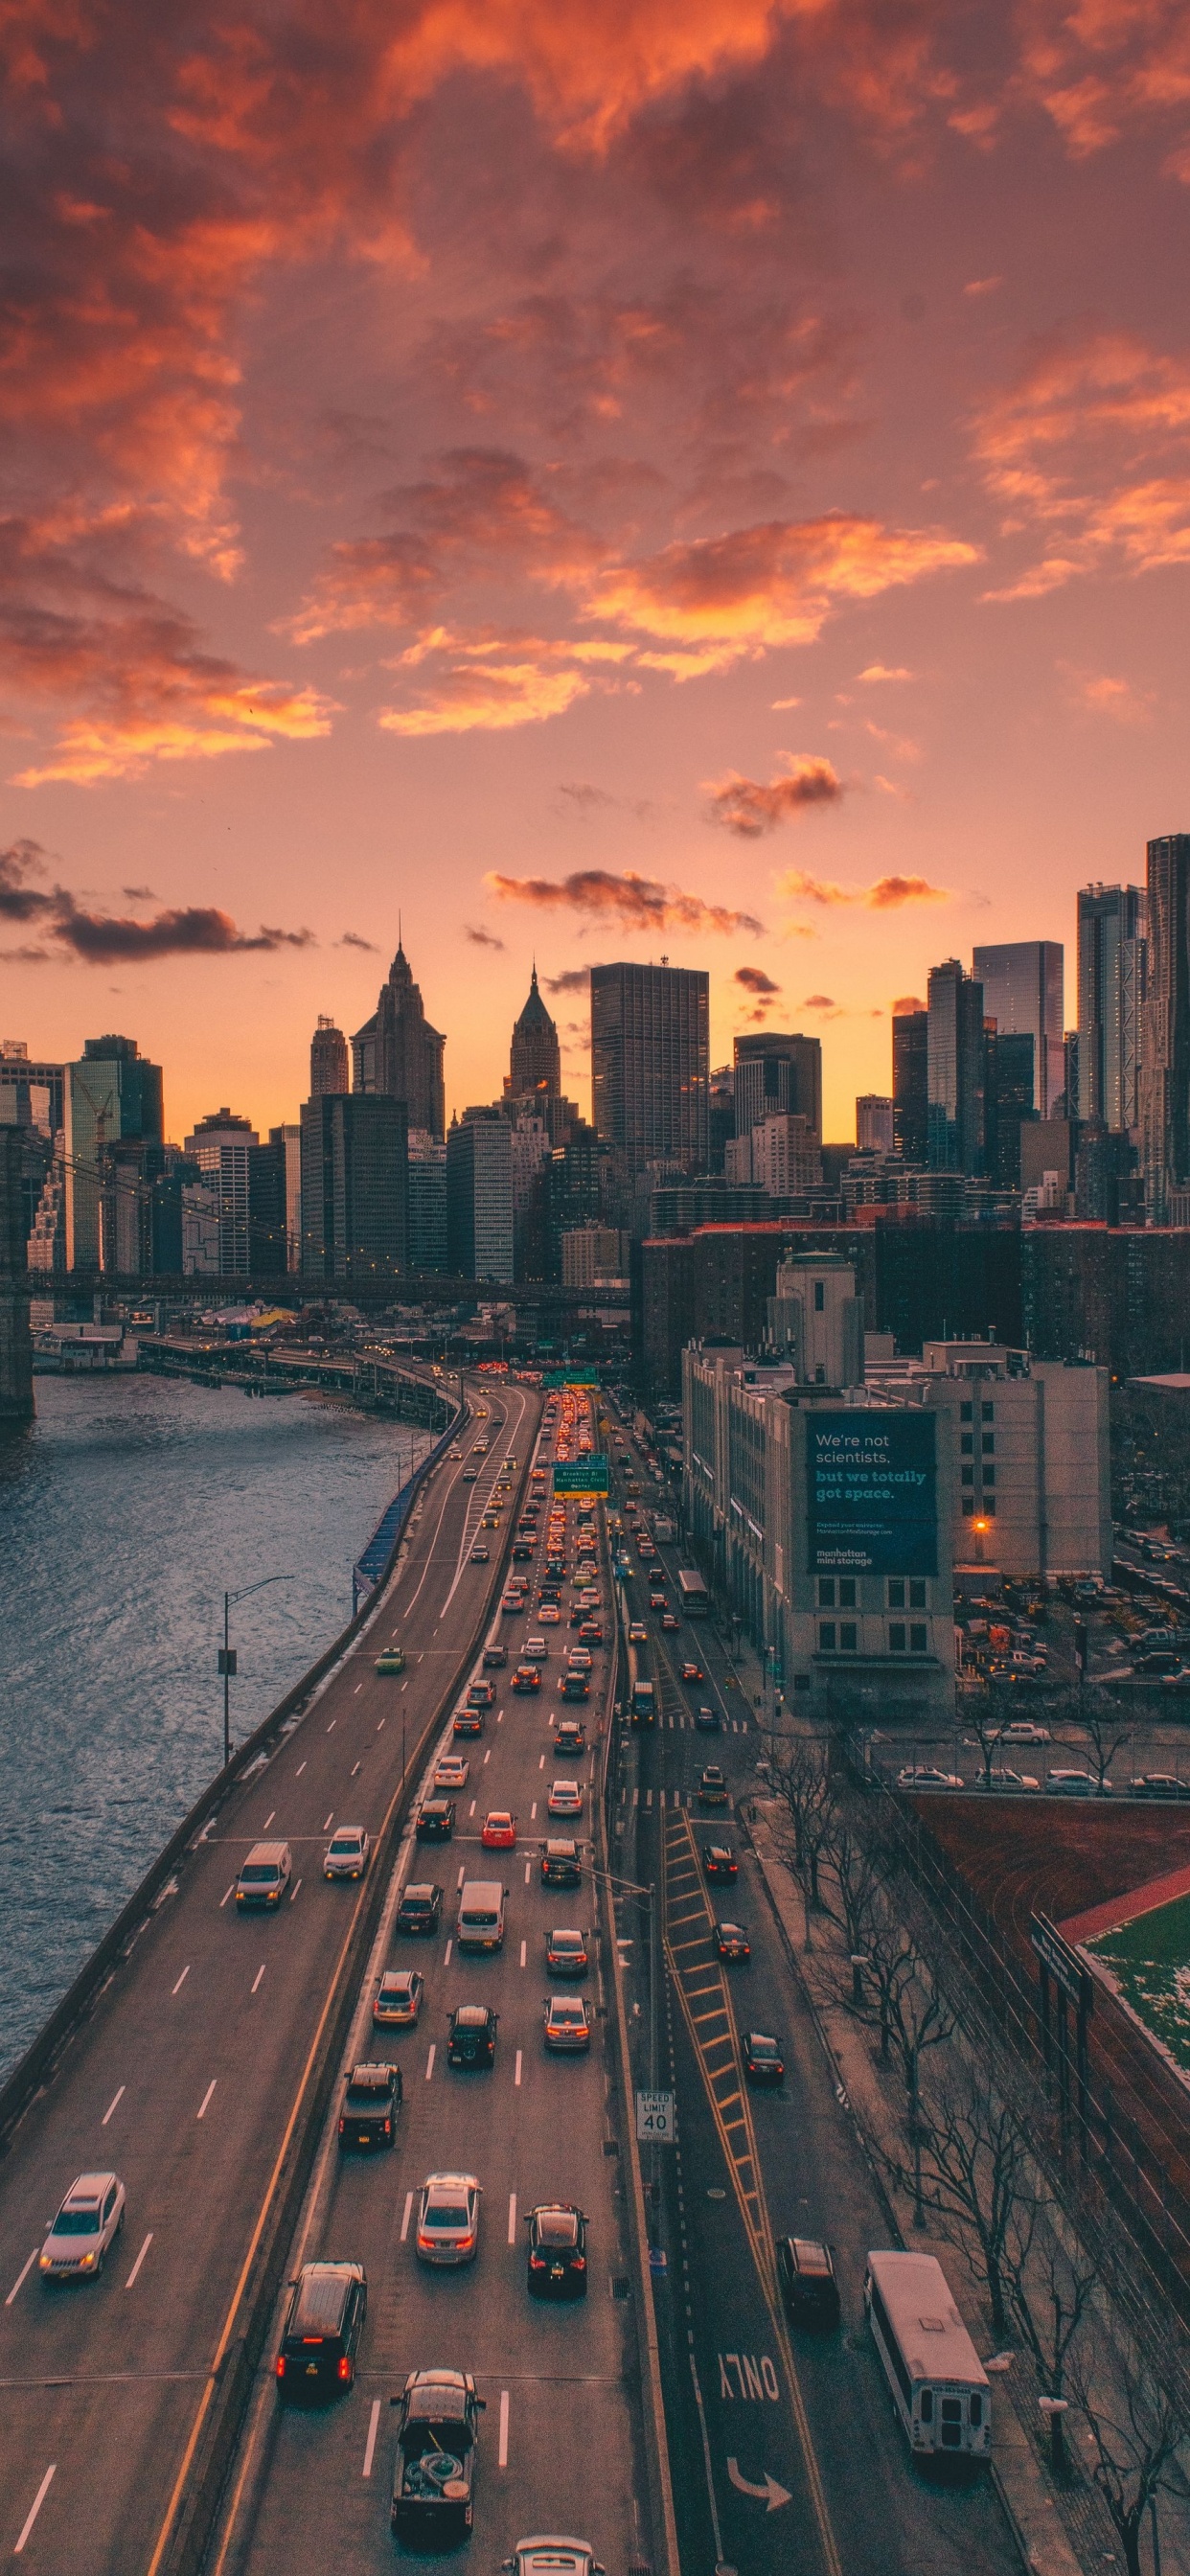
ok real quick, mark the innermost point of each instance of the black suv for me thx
(420, 1909)
(368, 2116)
(322, 2330)
(472, 2035)
(560, 1864)
(557, 2251)
(434, 2475)
(435, 1820)
(806, 2273)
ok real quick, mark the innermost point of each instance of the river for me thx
(124, 1514)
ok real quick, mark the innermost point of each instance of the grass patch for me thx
(1150, 1962)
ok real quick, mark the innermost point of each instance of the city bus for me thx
(940, 2389)
(642, 1697)
(693, 1596)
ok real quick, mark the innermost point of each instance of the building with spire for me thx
(399, 1055)
(535, 1059)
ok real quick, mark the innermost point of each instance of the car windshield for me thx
(557, 2227)
(764, 2047)
(77, 2222)
(569, 2013)
(346, 1843)
(259, 1873)
(446, 2213)
(568, 1940)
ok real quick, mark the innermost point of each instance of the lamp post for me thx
(227, 1665)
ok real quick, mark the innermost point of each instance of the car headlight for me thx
(88, 2263)
(46, 2262)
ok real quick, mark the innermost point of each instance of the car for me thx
(535, 1650)
(549, 1614)
(346, 1854)
(763, 2062)
(494, 1658)
(567, 2022)
(570, 1735)
(481, 1694)
(391, 1659)
(471, 2037)
(565, 1798)
(1023, 1730)
(323, 2325)
(82, 2235)
(806, 2272)
(434, 2471)
(264, 1878)
(481, 1555)
(490, 1520)
(638, 1634)
(511, 1602)
(580, 1659)
(731, 1941)
(435, 1820)
(658, 1601)
(448, 2219)
(712, 1787)
(566, 1953)
(693, 1673)
(719, 1861)
(521, 1551)
(575, 1686)
(1076, 1784)
(670, 1624)
(921, 1775)
(451, 1771)
(398, 1999)
(706, 1719)
(590, 1633)
(526, 1678)
(557, 2265)
(1000, 1777)
(499, 1830)
(470, 1475)
(468, 1721)
(561, 1865)
(420, 1909)
(1159, 1784)
(371, 2101)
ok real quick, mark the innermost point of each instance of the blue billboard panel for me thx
(871, 1500)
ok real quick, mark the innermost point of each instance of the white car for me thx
(565, 1798)
(1000, 1777)
(448, 2219)
(551, 2556)
(535, 1650)
(549, 1614)
(920, 1776)
(346, 1854)
(1076, 1784)
(452, 1771)
(85, 2228)
(1023, 1730)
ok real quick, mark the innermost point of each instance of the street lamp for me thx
(227, 1665)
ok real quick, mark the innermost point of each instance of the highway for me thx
(784, 2451)
(190, 2070)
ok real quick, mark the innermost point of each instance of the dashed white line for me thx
(381, 1724)
(202, 2108)
(118, 2097)
(139, 2260)
(446, 1953)
(463, 1871)
(370, 2445)
(430, 2060)
(21, 2278)
(298, 1773)
(293, 1893)
(523, 1944)
(407, 2216)
(517, 2071)
(512, 2218)
(256, 1980)
(528, 1871)
(333, 1724)
(533, 1813)
(268, 1820)
(326, 1828)
(541, 1763)
(223, 1899)
(358, 1689)
(503, 2454)
(35, 2508)
(488, 1755)
(358, 1766)
(470, 1811)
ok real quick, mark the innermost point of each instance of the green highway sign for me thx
(570, 1377)
(581, 1476)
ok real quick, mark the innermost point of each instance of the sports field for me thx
(1149, 1962)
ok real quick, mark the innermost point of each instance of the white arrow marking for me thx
(770, 2491)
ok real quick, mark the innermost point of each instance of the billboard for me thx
(870, 1493)
(581, 1476)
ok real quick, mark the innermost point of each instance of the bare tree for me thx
(1136, 2431)
(983, 1712)
(849, 1892)
(1048, 2287)
(802, 1778)
(1106, 1732)
(972, 2168)
(913, 2011)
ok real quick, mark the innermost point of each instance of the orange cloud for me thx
(487, 697)
(888, 894)
(1100, 694)
(907, 1002)
(641, 903)
(1091, 445)
(744, 806)
(769, 584)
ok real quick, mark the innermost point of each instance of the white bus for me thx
(693, 1596)
(940, 2389)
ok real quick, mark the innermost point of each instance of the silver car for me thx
(347, 1853)
(85, 2228)
(448, 2219)
(550, 2556)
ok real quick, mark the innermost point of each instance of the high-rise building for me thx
(354, 1187)
(873, 1123)
(290, 1138)
(650, 1064)
(911, 1088)
(775, 1075)
(955, 1071)
(268, 1225)
(479, 1195)
(221, 1146)
(530, 1151)
(1112, 959)
(1022, 983)
(786, 1155)
(328, 1060)
(427, 1204)
(573, 1189)
(113, 1093)
(1011, 1091)
(398, 1054)
(722, 1115)
(535, 1058)
(1165, 1054)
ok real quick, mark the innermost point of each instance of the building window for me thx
(988, 1444)
(918, 1638)
(968, 1475)
(917, 1596)
(987, 1412)
(826, 1636)
(826, 1591)
(967, 1444)
(989, 1505)
(819, 1296)
(896, 1593)
(966, 1413)
(968, 1506)
(847, 1592)
(848, 1636)
(989, 1476)
(896, 1636)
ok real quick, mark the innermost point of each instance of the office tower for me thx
(573, 1189)
(911, 1093)
(873, 1123)
(290, 1137)
(955, 1071)
(354, 1187)
(1165, 1054)
(112, 1093)
(1112, 958)
(778, 1075)
(535, 1060)
(398, 1054)
(479, 1195)
(722, 1115)
(1011, 1090)
(31, 1090)
(427, 1204)
(786, 1156)
(268, 1215)
(328, 1060)
(220, 1146)
(650, 1064)
(1023, 993)
(530, 1149)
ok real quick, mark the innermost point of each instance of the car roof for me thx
(448, 2182)
(348, 1833)
(371, 2077)
(275, 1852)
(472, 2016)
(422, 1888)
(554, 2556)
(89, 2187)
(399, 1976)
(811, 2257)
(319, 2297)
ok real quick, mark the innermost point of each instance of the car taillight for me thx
(388, 2128)
(579, 2264)
(344, 2367)
(280, 2365)
(537, 2262)
(342, 2127)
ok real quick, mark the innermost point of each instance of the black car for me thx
(322, 2331)
(435, 1820)
(576, 1686)
(494, 1658)
(368, 2115)
(420, 1909)
(806, 2273)
(731, 1941)
(472, 2039)
(707, 1719)
(719, 1861)
(763, 2062)
(557, 2251)
(434, 2475)
(522, 1550)
(561, 1865)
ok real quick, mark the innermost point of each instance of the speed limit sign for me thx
(655, 2119)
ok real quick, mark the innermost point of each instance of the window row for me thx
(838, 1592)
(841, 1637)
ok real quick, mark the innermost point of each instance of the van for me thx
(265, 1876)
(481, 1915)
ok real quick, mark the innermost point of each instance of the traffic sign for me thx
(581, 1476)
(570, 1377)
(655, 2119)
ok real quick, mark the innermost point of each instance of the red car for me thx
(499, 1830)
(693, 1673)
(527, 1677)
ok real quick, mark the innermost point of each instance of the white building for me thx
(220, 1146)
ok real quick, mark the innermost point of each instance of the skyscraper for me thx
(221, 1146)
(911, 1088)
(354, 1187)
(535, 1061)
(427, 1204)
(1022, 992)
(398, 1054)
(1112, 959)
(955, 1071)
(328, 1060)
(1165, 1059)
(774, 1075)
(650, 1063)
(112, 1093)
(479, 1195)
(873, 1123)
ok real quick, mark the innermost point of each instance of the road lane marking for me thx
(298, 1773)
(512, 2218)
(541, 1763)
(358, 1767)
(463, 1871)
(118, 2097)
(430, 2060)
(256, 1980)
(447, 1952)
(406, 2218)
(326, 1828)
(470, 1811)
(528, 1871)
(333, 1724)
(533, 1813)
(488, 1755)
(373, 2428)
(358, 1689)
(517, 2073)
(223, 1899)
(35, 2508)
(21, 2278)
(522, 1944)
(503, 2458)
(202, 2108)
(294, 1891)
(268, 1820)
(381, 1724)
(139, 2260)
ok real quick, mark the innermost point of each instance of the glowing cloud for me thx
(774, 583)
(640, 903)
(744, 806)
(888, 894)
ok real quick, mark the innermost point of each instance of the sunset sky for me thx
(613, 478)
